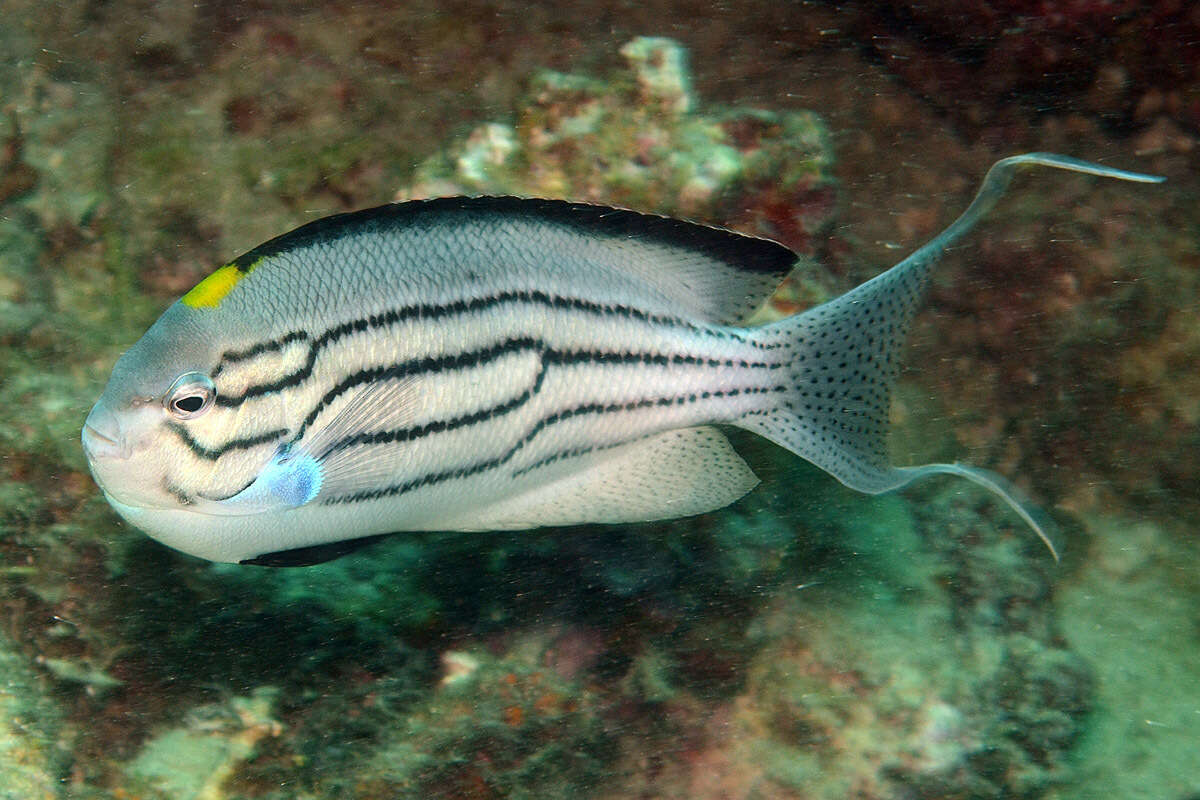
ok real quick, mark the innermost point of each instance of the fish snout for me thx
(102, 436)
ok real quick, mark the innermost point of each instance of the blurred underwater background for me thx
(806, 642)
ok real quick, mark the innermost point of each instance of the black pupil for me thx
(190, 404)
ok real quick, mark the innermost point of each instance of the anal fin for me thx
(667, 475)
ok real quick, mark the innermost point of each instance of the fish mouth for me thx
(99, 445)
(102, 437)
(91, 433)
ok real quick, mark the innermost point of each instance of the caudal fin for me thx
(844, 360)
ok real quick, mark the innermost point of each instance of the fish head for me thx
(152, 440)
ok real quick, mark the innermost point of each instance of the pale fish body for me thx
(496, 363)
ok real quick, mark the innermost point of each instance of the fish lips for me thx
(102, 436)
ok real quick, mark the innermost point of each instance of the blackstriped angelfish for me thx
(496, 363)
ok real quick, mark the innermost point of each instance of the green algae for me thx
(23, 295)
(30, 758)
(380, 591)
(1131, 612)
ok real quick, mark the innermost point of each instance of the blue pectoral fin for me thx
(288, 481)
(294, 481)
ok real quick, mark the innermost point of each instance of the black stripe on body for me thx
(432, 312)
(213, 453)
(272, 346)
(461, 361)
(548, 356)
(633, 405)
(432, 478)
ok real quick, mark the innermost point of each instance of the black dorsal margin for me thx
(738, 251)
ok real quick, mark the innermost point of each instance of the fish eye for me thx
(190, 396)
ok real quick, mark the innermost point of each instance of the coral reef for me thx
(193, 761)
(923, 676)
(640, 140)
(495, 727)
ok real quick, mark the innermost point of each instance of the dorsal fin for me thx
(711, 273)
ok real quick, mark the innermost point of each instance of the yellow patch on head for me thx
(209, 292)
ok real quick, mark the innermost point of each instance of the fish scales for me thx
(492, 363)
